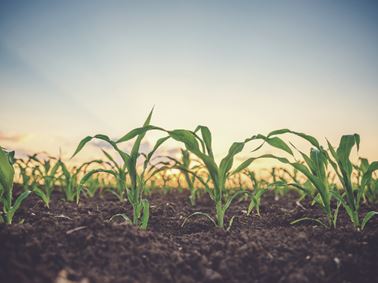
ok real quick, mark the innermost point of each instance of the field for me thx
(188, 141)
(256, 249)
(138, 216)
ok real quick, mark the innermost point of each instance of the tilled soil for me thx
(70, 243)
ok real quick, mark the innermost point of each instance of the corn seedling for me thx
(184, 165)
(6, 188)
(93, 185)
(371, 192)
(292, 177)
(166, 177)
(201, 146)
(23, 168)
(273, 178)
(257, 192)
(314, 168)
(48, 176)
(351, 198)
(138, 181)
(70, 181)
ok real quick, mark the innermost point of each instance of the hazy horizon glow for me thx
(74, 68)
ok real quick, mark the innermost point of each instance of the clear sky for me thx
(73, 68)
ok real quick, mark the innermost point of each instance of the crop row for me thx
(325, 175)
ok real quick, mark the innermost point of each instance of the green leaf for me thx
(206, 135)
(319, 163)
(367, 217)
(368, 174)
(156, 146)
(307, 191)
(6, 172)
(200, 214)
(309, 138)
(135, 149)
(188, 138)
(42, 195)
(345, 166)
(343, 151)
(230, 199)
(55, 168)
(111, 159)
(88, 175)
(190, 141)
(278, 143)
(226, 163)
(336, 214)
(121, 215)
(141, 131)
(312, 178)
(243, 165)
(347, 207)
(196, 176)
(364, 164)
(308, 219)
(146, 214)
(82, 143)
(19, 200)
(65, 170)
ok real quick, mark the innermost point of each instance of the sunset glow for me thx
(239, 69)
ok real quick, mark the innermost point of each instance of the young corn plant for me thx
(27, 171)
(23, 167)
(134, 190)
(201, 146)
(274, 178)
(93, 185)
(314, 169)
(166, 177)
(351, 198)
(293, 177)
(71, 179)
(48, 174)
(10, 206)
(257, 192)
(371, 192)
(184, 165)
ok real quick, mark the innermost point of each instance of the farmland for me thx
(188, 141)
(136, 216)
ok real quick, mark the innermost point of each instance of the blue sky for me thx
(73, 68)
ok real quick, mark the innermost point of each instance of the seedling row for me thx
(325, 175)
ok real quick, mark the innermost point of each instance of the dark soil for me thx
(70, 243)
